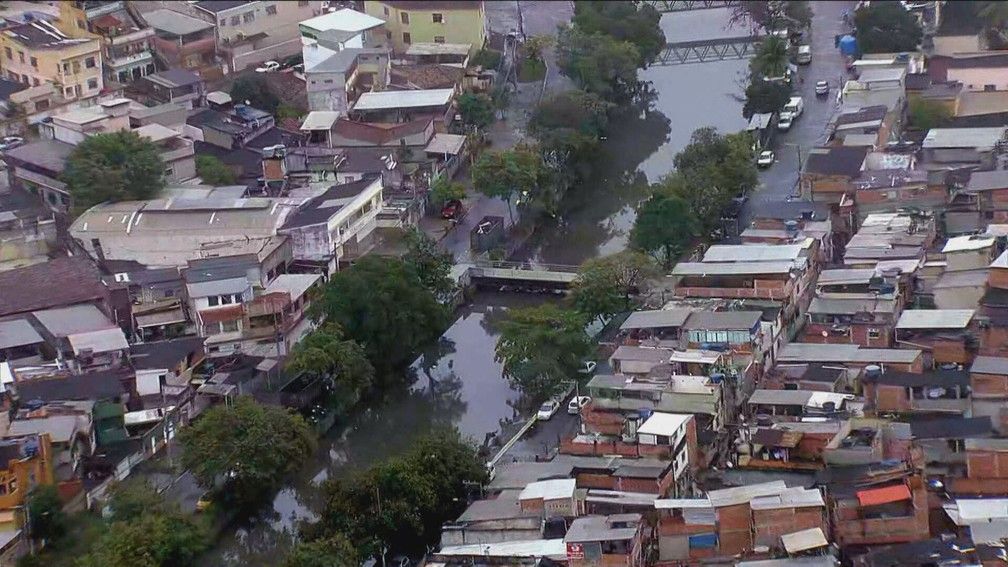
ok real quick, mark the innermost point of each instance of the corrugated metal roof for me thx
(935, 319)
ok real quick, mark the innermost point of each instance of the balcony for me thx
(131, 60)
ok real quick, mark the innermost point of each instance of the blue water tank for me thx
(848, 45)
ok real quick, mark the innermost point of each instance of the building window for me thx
(248, 17)
(89, 62)
(439, 39)
(235, 20)
(406, 37)
(213, 301)
(34, 62)
(404, 17)
(9, 53)
(92, 84)
(21, 56)
(874, 333)
(271, 10)
(437, 18)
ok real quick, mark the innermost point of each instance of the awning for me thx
(804, 540)
(884, 495)
(158, 319)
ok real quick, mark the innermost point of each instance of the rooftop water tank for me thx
(848, 45)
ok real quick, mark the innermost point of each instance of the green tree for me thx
(604, 286)
(403, 502)
(927, 114)
(333, 551)
(46, 519)
(251, 447)
(343, 363)
(632, 22)
(765, 96)
(149, 540)
(598, 63)
(771, 59)
(541, 347)
(118, 166)
(664, 228)
(535, 46)
(135, 497)
(431, 264)
(510, 174)
(886, 27)
(255, 91)
(444, 190)
(477, 110)
(213, 171)
(383, 305)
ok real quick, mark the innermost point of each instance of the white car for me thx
(765, 159)
(576, 403)
(268, 67)
(587, 367)
(548, 410)
(784, 122)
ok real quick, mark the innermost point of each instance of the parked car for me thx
(821, 88)
(452, 209)
(576, 403)
(784, 122)
(11, 142)
(268, 67)
(587, 367)
(765, 159)
(547, 410)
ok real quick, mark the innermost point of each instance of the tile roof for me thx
(47, 285)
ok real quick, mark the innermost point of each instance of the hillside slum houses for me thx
(830, 391)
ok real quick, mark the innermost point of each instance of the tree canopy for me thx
(256, 91)
(333, 551)
(477, 110)
(886, 27)
(624, 21)
(213, 171)
(403, 502)
(117, 166)
(665, 227)
(541, 347)
(383, 305)
(604, 286)
(228, 441)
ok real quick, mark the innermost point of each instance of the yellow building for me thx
(413, 22)
(38, 52)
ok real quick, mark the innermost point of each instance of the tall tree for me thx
(886, 27)
(431, 264)
(604, 286)
(401, 503)
(228, 443)
(382, 304)
(149, 540)
(342, 363)
(477, 110)
(511, 174)
(255, 91)
(664, 228)
(541, 347)
(118, 166)
(333, 551)
(632, 22)
(598, 63)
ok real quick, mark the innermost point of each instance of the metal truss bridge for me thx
(705, 50)
(688, 5)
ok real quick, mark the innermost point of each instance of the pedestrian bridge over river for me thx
(523, 274)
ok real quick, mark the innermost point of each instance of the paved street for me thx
(781, 179)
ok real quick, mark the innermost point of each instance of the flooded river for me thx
(460, 383)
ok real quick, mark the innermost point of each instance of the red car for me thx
(452, 209)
